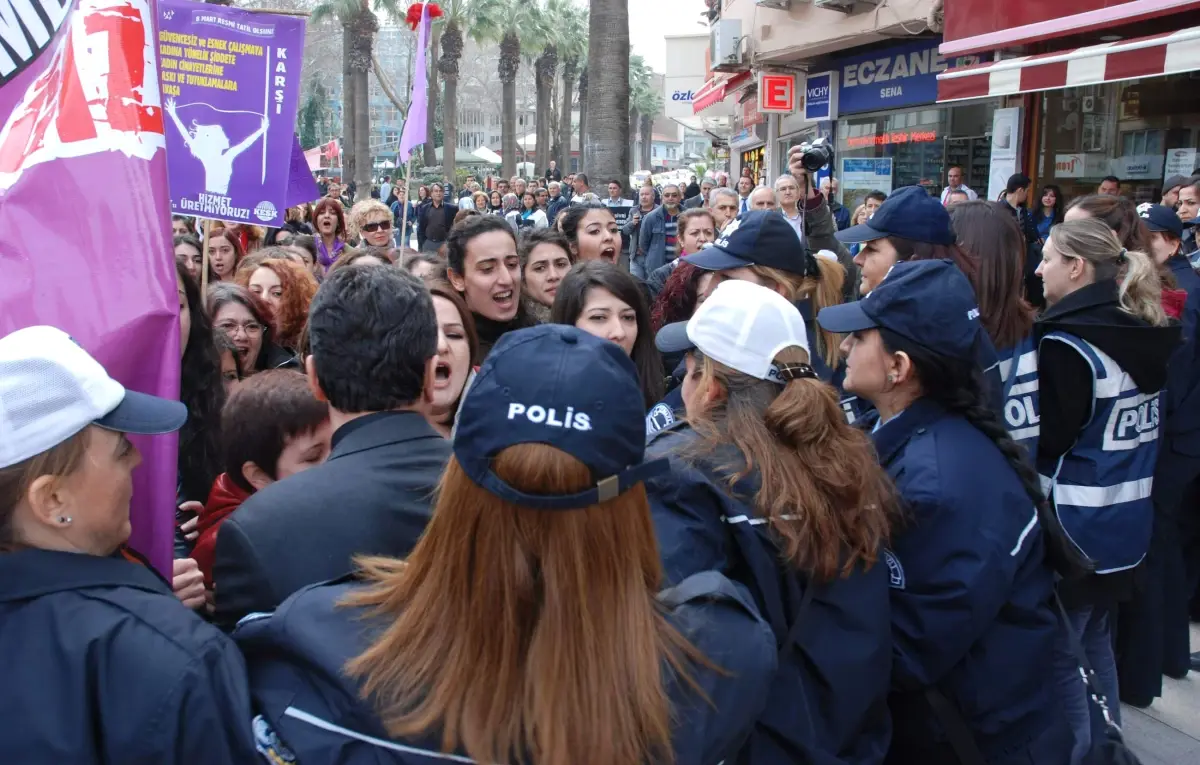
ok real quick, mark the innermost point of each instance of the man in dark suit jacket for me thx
(434, 220)
(701, 199)
(373, 337)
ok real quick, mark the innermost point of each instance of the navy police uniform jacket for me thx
(970, 603)
(828, 701)
(310, 712)
(102, 664)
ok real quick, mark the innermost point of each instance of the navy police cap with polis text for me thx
(930, 302)
(756, 238)
(555, 384)
(909, 213)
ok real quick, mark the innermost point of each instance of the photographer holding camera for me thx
(816, 225)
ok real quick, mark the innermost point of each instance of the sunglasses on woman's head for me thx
(371, 228)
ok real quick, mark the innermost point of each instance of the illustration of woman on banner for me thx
(210, 145)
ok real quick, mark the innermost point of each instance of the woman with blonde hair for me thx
(771, 485)
(1103, 346)
(370, 224)
(527, 625)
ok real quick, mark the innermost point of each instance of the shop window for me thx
(1140, 131)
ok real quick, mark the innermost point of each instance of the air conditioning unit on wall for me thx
(726, 49)
(779, 5)
(844, 6)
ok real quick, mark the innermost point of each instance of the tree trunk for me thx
(430, 150)
(647, 137)
(608, 89)
(347, 152)
(452, 46)
(545, 68)
(364, 161)
(510, 61)
(584, 152)
(634, 154)
(562, 152)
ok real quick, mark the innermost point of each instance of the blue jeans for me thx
(1093, 626)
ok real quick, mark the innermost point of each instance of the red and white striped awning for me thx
(716, 89)
(1170, 53)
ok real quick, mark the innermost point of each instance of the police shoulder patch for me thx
(660, 417)
(269, 745)
(895, 570)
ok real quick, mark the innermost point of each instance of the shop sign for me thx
(1137, 167)
(678, 93)
(1180, 162)
(751, 116)
(886, 139)
(905, 75)
(866, 174)
(776, 93)
(1079, 165)
(743, 137)
(820, 97)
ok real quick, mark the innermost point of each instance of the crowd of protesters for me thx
(720, 474)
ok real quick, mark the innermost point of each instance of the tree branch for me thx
(386, 86)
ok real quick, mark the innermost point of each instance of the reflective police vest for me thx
(1018, 372)
(1101, 487)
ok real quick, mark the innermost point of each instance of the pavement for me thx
(1168, 731)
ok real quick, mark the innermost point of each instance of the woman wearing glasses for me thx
(246, 319)
(287, 288)
(371, 220)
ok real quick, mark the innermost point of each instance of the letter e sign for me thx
(777, 93)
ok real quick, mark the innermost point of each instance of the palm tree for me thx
(459, 17)
(571, 29)
(639, 87)
(556, 15)
(607, 141)
(508, 22)
(583, 117)
(359, 26)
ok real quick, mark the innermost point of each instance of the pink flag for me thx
(83, 208)
(416, 125)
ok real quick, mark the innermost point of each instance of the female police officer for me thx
(526, 625)
(972, 627)
(769, 483)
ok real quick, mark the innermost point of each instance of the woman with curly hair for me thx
(288, 289)
(248, 322)
(371, 224)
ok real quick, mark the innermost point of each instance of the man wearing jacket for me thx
(558, 202)
(434, 220)
(631, 231)
(373, 336)
(701, 199)
(841, 216)
(658, 235)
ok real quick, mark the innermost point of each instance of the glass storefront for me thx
(913, 147)
(755, 159)
(1140, 131)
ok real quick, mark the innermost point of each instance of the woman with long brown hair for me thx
(989, 234)
(770, 484)
(527, 623)
(288, 288)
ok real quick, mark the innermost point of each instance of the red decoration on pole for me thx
(414, 14)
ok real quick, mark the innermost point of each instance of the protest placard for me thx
(230, 89)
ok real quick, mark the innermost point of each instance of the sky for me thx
(651, 20)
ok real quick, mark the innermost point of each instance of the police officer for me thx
(771, 485)
(540, 633)
(100, 661)
(761, 247)
(1103, 347)
(972, 627)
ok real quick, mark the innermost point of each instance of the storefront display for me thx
(1140, 131)
(922, 144)
(754, 159)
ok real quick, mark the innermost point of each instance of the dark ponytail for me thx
(959, 387)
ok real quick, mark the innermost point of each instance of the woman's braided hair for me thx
(959, 387)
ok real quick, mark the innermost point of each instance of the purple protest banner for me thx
(302, 188)
(230, 89)
(83, 208)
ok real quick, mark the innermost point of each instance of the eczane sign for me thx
(776, 93)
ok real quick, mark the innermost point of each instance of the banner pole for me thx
(204, 261)
(407, 190)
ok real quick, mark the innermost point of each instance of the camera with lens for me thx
(816, 154)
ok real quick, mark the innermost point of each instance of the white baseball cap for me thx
(741, 325)
(51, 389)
